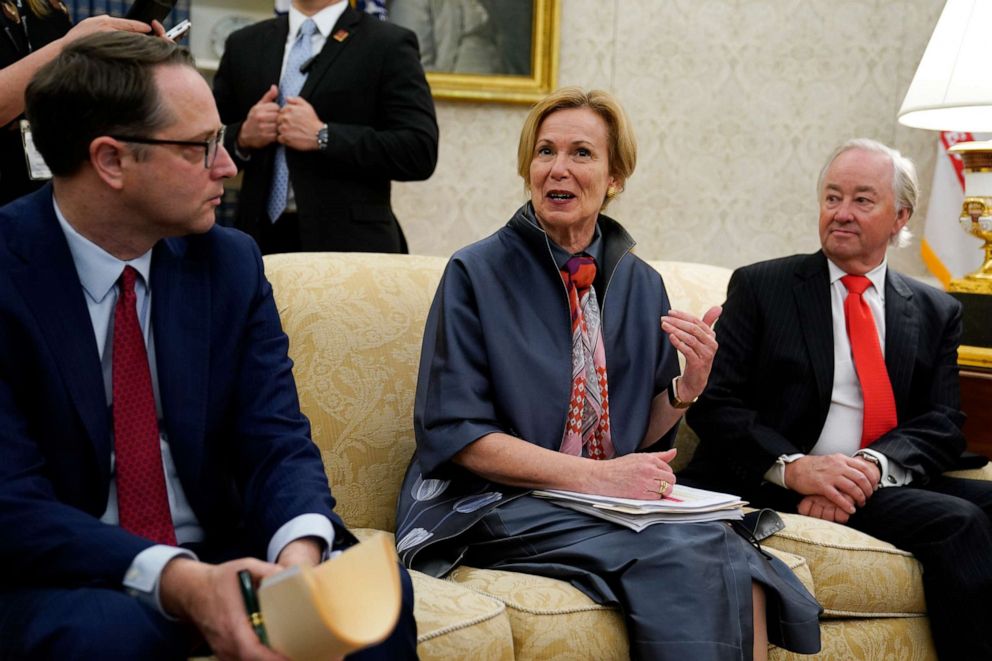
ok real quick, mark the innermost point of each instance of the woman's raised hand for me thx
(695, 339)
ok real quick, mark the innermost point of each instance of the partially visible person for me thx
(153, 444)
(456, 36)
(325, 107)
(550, 361)
(514, 43)
(835, 395)
(34, 32)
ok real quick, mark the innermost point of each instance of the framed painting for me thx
(485, 50)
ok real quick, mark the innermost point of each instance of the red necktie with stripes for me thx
(142, 499)
(876, 389)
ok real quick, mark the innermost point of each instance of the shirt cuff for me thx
(894, 474)
(304, 525)
(240, 154)
(776, 474)
(143, 577)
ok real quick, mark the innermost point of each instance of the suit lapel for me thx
(50, 285)
(901, 334)
(271, 49)
(181, 323)
(345, 29)
(812, 299)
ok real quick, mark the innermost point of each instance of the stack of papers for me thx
(682, 505)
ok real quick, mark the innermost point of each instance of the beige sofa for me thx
(355, 323)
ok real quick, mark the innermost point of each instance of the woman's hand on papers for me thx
(639, 475)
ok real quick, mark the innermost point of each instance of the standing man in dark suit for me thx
(805, 411)
(324, 107)
(153, 444)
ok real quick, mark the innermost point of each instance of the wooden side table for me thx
(976, 397)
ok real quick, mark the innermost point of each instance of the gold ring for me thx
(662, 488)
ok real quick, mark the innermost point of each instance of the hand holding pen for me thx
(210, 597)
(251, 605)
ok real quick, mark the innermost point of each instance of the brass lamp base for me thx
(976, 219)
(976, 283)
(976, 212)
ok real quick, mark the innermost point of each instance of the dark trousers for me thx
(947, 525)
(284, 236)
(101, 623)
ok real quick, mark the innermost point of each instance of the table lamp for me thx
(952, 91)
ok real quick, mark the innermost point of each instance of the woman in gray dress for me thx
(549, 362)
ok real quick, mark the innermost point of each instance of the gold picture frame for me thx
(524, 89)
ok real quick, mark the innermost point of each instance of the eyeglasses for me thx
(210, 147)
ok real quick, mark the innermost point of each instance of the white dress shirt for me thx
(98, 273)
(841, 431)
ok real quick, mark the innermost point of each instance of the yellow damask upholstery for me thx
(355, 323)
(453, 622)
(876, 578)
(876, 639)
(550, 618)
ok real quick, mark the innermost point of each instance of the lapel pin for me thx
(340, 35)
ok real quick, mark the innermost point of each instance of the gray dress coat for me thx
(497, 358)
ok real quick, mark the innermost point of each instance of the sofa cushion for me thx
(983, 473)
(355, 323)
(897, 638)
(551, 619)
(454, 622)
(854, 574)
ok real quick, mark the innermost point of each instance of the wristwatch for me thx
(673, 395)
(322, 138)
(872, 459)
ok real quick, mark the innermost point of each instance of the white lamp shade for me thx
(952, 88)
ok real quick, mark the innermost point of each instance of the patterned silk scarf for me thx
(588, 424)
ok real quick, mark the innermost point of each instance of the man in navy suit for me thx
(788, 422)
(124, 308)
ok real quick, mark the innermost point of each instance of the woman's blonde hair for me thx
(622, 148)
(40, 7)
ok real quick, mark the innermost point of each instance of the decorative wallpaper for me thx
(735, 104)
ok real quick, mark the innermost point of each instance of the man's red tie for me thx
(142, 499)
(876, 389)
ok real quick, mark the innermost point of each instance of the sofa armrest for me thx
(983, 473)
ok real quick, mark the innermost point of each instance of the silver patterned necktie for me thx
(289, 85)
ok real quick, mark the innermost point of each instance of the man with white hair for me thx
(835, 394)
